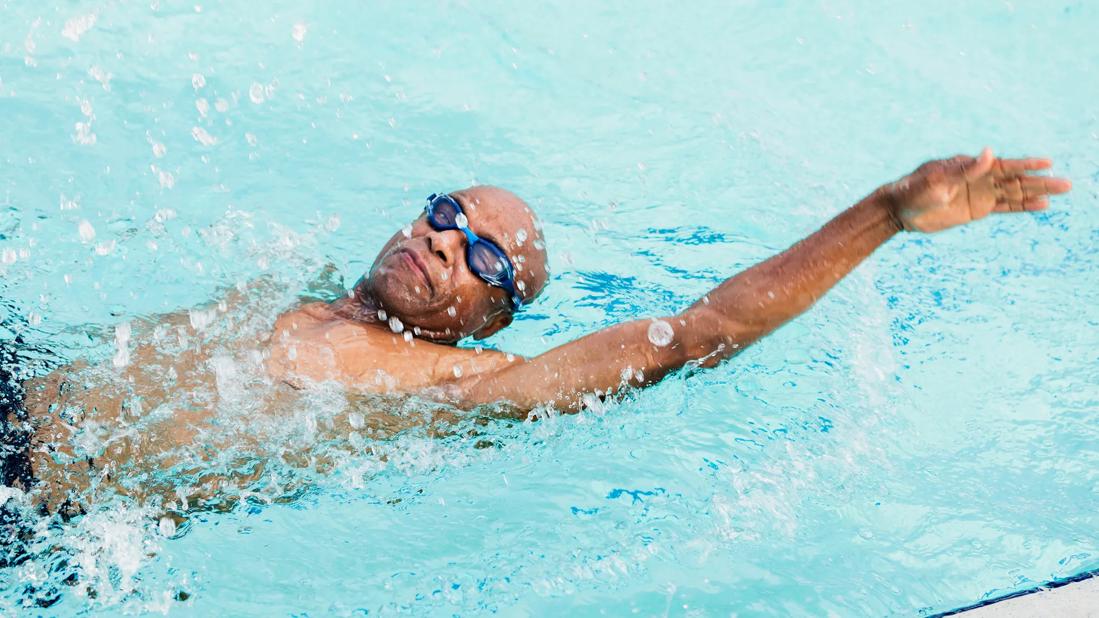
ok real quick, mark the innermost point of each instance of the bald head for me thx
(423, 276)
(516, 230)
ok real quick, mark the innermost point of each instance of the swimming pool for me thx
(923, 438)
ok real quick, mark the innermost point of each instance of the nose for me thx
(445, 245)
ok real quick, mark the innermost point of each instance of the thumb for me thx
(980, 166)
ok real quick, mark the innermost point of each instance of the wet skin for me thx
(421, 279)
(348, 343)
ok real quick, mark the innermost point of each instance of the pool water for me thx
(924, 438)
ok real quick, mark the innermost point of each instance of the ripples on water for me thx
(922, 438)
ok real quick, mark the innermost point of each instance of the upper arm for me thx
(636, 353)
(594, 365)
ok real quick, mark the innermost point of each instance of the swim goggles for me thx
(487, 260)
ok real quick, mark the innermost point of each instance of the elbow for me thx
(711, 334)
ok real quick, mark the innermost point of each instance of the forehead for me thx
(507, 222)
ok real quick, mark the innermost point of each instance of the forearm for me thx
(755, 302)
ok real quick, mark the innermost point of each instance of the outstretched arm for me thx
(748, 306)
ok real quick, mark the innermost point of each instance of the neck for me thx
(358, 308)
(363, 308)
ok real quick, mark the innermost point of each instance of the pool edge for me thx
(1046, 591)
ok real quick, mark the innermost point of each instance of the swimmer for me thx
(475, 257)
(465, 267)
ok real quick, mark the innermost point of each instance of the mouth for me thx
(416, 264)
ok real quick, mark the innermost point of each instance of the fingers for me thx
(1044, 185)
(1011, 167)
(980, 166)
(1030, 204)
(1022, 193)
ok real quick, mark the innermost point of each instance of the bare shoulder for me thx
(311, 341)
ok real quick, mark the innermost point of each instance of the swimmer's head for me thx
(421, 276)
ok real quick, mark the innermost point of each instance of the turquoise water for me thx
(922, 439)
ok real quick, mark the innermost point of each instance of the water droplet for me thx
(198, 80)
(457, 371)
(203, 107)
(356, 420)
(395, 324)
(382, 315)
(159, 150)
(202, 137)
(87, 232)
(451, 311)
(82, 134)
(166, 179)
(8, 257)
(407, 335)
(521, 236)
(461, 220)
(660, 333)
(406, 230)
(255, 92)
(77, 26)
(298, 33)
(122, 340)
(250, 138)
(103, 77)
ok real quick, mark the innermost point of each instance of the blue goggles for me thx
(485, 259)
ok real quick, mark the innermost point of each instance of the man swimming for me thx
(463, 268)
(476, 256)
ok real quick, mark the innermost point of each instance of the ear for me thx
(491, 327)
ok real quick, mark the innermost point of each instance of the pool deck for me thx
(1076, 600)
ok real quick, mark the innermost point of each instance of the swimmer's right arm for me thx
(746, 307)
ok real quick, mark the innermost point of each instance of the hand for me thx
(943, 194)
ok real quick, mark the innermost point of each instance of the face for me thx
(421, 275)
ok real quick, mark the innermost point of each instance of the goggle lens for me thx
(486, 262)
